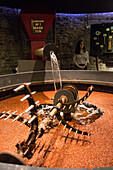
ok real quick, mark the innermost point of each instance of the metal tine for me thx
(81, 101)
(29, 129)
(70, 106)
(32, 119)
(29, 108)
(84, 97)
(33, 92)
(25, 97)
(25, 120)
(76, 131)
(64, 107)
(16, 118)
(10, 115)
(19, 88)
(27, 84)
(60, 122)
(84, 137)
(26, 151)
(4, 114)
(70, 129)
(82, 134)
(89, 133)
(65, 126)
(37, 102)
(8, 111)
(76, 104)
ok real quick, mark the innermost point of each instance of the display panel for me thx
(101, 39)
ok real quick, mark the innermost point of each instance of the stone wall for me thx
(70, 28)
(13, 42)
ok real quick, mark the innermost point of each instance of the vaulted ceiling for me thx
(62, 6)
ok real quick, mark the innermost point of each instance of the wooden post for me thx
(97, 65)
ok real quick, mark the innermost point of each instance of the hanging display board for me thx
(101, 42)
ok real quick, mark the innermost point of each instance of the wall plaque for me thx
(37, 26)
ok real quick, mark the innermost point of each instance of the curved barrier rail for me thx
(96, 78)
(18, 167)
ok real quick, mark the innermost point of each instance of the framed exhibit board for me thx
(101, 42)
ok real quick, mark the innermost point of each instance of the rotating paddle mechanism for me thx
(65, 99)
(66, 102)
(41, 118)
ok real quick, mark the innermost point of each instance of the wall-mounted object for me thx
(101, 42)
(36, 18)
(36, 27)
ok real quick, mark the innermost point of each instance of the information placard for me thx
(37, 26)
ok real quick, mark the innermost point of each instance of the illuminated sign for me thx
(37, 26)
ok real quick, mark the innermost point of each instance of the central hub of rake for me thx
(67, 97)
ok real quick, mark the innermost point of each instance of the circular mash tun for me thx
(66, 115)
